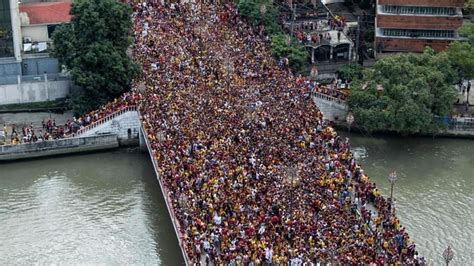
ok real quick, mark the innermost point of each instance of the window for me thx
(419, 33)
(6, 34)
(51, 29)
(420, 10)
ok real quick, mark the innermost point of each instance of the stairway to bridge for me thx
(125, 123)
(333, 109)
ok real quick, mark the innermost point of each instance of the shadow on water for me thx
(93, 208)
(159, 220)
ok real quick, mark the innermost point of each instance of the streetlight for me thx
(448, 255)
(392, 177)
(288, 40)
(293, 180)
(349, 120)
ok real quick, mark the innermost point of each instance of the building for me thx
(411, 25)
(25, 37)
(324, 35)
(10, 41)
(27, 71)
(38, 21)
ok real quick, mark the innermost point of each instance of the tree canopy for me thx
(469, 4)
(260, 12)
(264, 12)
(403, 93)
(349, 72)
(461, 53)
(296, 54)
(93, 48)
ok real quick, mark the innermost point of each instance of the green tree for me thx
(469, 4)
(403, 93)
(296, 54)
(461, 53)
(251, 10)
(462, 56)
(93, 48)
(350, 72)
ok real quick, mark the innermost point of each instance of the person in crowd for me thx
(253, 172)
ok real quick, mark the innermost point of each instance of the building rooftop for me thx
(47, 12)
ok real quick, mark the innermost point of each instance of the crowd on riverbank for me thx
(29, 134)
(254, 172)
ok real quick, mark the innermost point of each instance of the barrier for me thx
(169, 205)
(330, 99)
(462, 124)
(58, 147)
(103, 120)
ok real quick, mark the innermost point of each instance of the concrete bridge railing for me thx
(122, 121)
(95, 125)
(58, 147)
(333, 109)
(168, 200)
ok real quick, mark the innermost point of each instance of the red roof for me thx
(47, 12)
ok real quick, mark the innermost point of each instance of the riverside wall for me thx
(29, 92)
(58, 147)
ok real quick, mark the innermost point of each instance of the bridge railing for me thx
(168, 200)
(102, 121)
(329, 98)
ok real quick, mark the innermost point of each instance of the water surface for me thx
(103, 208)
(433, 193)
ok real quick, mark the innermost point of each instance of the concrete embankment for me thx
(58, 147)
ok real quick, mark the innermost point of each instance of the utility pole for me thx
(357, 38)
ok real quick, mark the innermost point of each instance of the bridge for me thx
(332, 108)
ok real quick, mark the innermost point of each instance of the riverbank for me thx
(456, 134)
(58, 147)
(433, 192)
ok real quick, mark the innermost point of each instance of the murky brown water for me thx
(103, 208)
(107, 208)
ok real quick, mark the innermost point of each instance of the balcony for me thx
(434, 3)
(422, 11)
(34, 49)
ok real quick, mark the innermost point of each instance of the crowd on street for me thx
(254, 173)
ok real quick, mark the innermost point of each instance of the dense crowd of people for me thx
(254, 173)
(30, 134)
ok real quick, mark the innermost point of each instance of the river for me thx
(107, 208)
(433, 193)
(103, 208)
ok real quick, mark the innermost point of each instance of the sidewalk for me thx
(27, 119)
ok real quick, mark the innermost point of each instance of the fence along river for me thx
(107, 207)
(433, 193)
